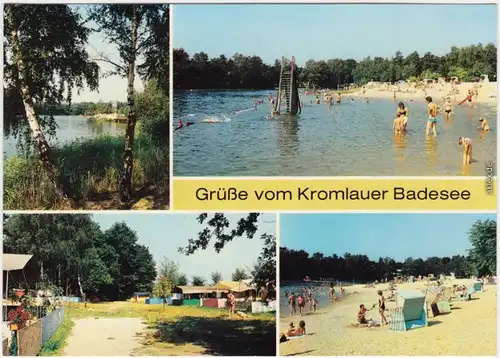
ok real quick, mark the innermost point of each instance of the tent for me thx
(13, 262)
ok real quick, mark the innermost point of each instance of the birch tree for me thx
(140, 32)
(44, 62)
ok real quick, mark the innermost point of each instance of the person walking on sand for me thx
(432, 111)
(292, 303)
(231, 302)
(301, 302)
(381, 307)
(466, 144)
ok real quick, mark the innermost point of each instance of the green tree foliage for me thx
(361, 269)
(483, 237)
(168, 271)
(137, 32)
(239, 275)
(183, 280)
(72, 252)
(198, 281)
(44, 61)
(249, 72)
(264, 270)
(216, 277)
(217, 227)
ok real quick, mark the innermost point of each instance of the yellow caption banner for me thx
(335, 194)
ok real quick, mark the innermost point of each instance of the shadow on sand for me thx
(222, 337)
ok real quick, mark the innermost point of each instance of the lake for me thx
(69, 129)
(351, 139)
(321, 292)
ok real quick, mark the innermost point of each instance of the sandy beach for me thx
(436, 91)
(469, 330)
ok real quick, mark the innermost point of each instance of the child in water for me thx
(466, 144)
(484, 124)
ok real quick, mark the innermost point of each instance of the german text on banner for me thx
(396, 193)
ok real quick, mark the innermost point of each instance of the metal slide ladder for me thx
(287, 88)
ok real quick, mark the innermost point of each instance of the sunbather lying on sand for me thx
(293, 331)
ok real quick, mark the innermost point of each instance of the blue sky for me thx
(379, 235)
(164, 233)
(330, 31)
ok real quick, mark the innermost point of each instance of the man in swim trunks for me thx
(432, 111)
(231, 302)
(466, 144)
(362, 315)
(301, 302)
(292, 303)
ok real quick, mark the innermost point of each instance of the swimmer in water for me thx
(432, 111)
(402, 114)
(447, 109)
(180, 124)
(317, 101)
(466, 144)
(484, 125)
(397, 125)
(338, 98)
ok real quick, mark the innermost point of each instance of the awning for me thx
(12, 262)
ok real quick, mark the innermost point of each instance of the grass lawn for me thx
(188, 330)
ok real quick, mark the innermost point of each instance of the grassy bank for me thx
(55, 345)
(189, 330)
(92, 167)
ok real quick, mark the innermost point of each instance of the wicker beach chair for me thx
(411, 312)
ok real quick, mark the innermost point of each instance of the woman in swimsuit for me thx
(381, 307)
(447, 109)
(432, 110)
(484, 124)
(402, 114)
(466, 144)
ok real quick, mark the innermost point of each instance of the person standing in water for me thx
(292, 303)
(402, 114)
(447, 109)
(432, 111)
(484, 125)
(466, 144)
(338, 98)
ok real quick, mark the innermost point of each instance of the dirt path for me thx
(104, 337)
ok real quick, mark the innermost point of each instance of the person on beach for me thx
(381, 306)
(293, 331)
(447, 109)
(432, 111)
(484, 125)
(231, 303)
(270, 99)
(362, 319)
(394, 96)
(293, 304)
(466, 144)
(301, 302)
(332, 293)
(310, 299)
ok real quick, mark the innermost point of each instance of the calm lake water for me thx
(321, 292)
(70, 128)
(351, 139)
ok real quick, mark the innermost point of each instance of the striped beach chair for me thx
(411, 312)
